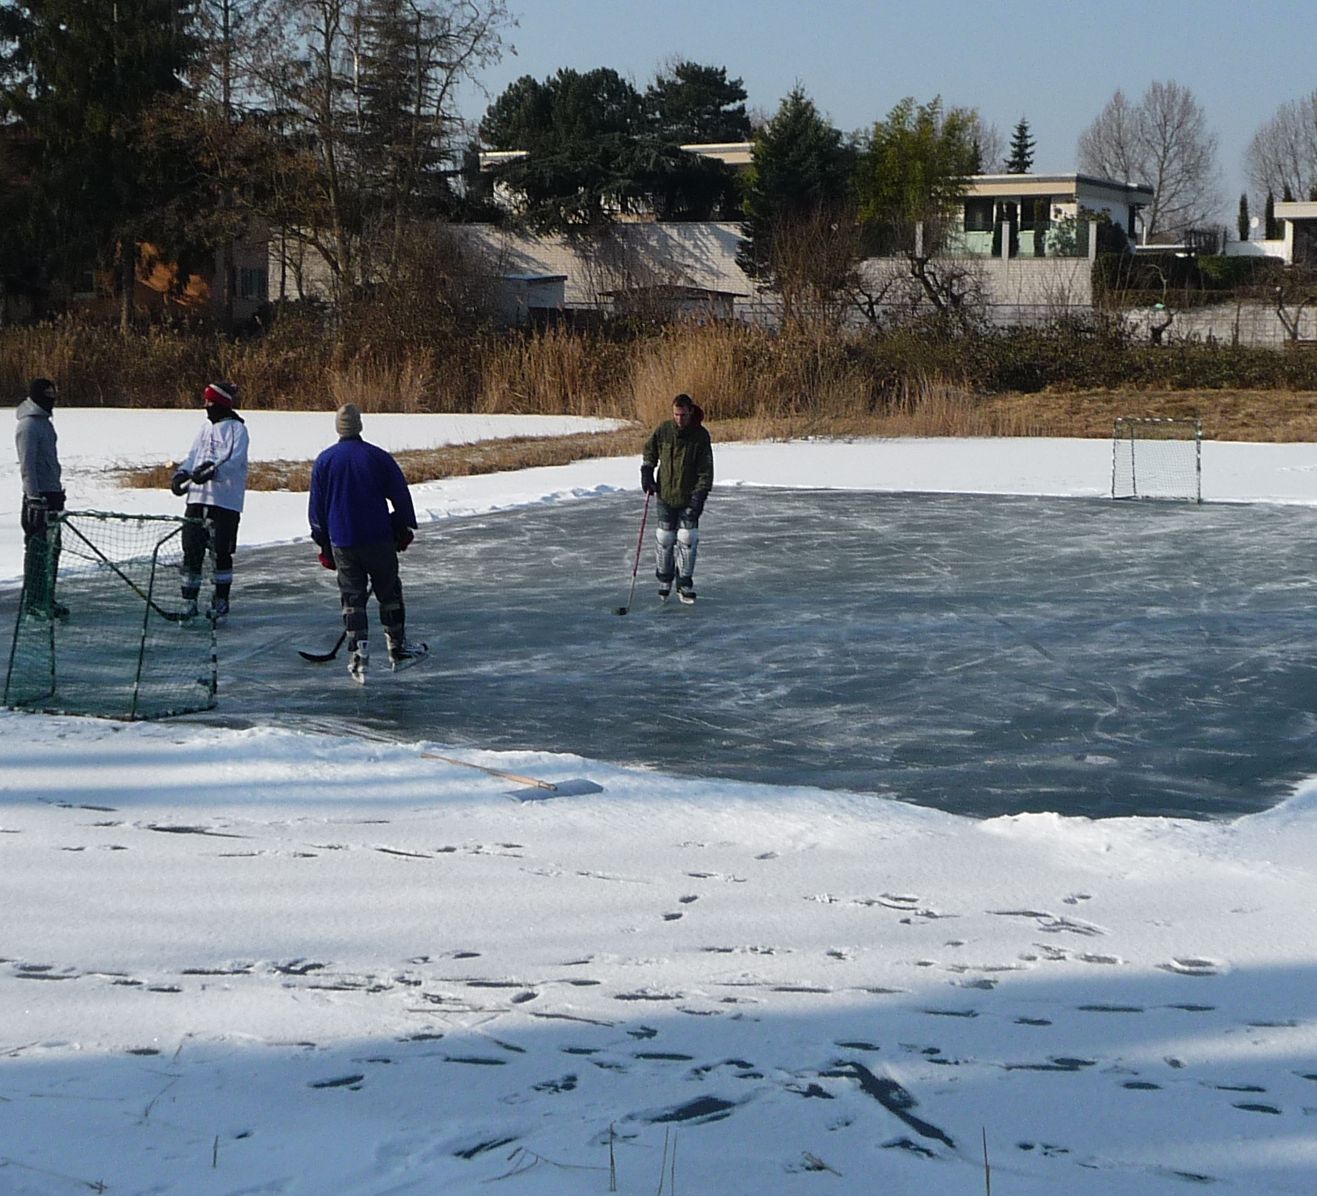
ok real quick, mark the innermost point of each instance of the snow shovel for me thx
(535, 790)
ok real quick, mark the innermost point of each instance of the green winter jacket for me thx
(684, 457)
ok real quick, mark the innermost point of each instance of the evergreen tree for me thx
(1243, 218)
(406, 140)
(697, 104)
(798, 197)
(1269, 227)
(579, 132)
(83, 84)
(1022, 146)
(692, 104)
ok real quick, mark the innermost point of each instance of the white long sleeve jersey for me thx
(225, 443)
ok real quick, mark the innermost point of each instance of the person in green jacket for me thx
(680, 450)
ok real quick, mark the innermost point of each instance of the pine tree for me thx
(1022, 146)
(801, 165)
(83, 83)
(1243, 218)
(695, 103)
(404, 139)
(1269, 217)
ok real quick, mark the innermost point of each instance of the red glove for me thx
(327, 560)
(402, 538)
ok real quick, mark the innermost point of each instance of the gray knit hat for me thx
(347, 420)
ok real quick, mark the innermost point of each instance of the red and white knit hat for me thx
(223, 394)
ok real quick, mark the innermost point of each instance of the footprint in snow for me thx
(1192, 965)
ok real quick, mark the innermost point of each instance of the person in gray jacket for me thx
(43, 494)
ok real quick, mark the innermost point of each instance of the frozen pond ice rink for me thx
(984, 655)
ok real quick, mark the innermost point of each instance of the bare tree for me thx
(1162, 142)
(892, 292)
(1110, 147)
(367, 89)
(815, 254)
(1282, 157)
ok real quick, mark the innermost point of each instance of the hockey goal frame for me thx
(1157, 430)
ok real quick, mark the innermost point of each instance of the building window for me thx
(978, 215)
(1033, 213)
(253, 283)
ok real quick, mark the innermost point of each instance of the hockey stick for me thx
(173, 616)
(326, 657)
(635, 568)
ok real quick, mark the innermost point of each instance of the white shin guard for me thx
(665, 538)
(688, 542)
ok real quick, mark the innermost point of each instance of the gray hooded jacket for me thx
(35, 440)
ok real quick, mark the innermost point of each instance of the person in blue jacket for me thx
(361, 517)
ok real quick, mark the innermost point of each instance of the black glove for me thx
(34, 514)
(402, 537)
(647, 479)
(178, 483)
(203, 472)
(54, 500)
(696, 504)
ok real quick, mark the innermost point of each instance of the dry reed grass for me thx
(557, 373)
(375, 385)
(931, 408)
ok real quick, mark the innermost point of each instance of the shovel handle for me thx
(493, 772)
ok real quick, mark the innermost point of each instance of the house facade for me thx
(1042, 215)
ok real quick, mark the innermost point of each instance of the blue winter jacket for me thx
(352, 485)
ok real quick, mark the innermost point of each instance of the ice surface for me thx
(980, 654)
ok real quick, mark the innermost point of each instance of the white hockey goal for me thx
(1157, 457)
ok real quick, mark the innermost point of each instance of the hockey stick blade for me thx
(323, 657)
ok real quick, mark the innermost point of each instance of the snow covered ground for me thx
(239, 961)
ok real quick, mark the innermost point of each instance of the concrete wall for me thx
(1254, 324)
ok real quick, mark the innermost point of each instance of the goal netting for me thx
(1155, 457)
(101, 629)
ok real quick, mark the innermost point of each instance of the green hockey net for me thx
(101, 629)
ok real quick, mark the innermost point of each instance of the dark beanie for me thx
(347, 420)
(42, 392)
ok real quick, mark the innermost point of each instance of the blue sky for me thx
(1056, 63)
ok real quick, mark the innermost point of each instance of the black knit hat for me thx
(42, 392)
